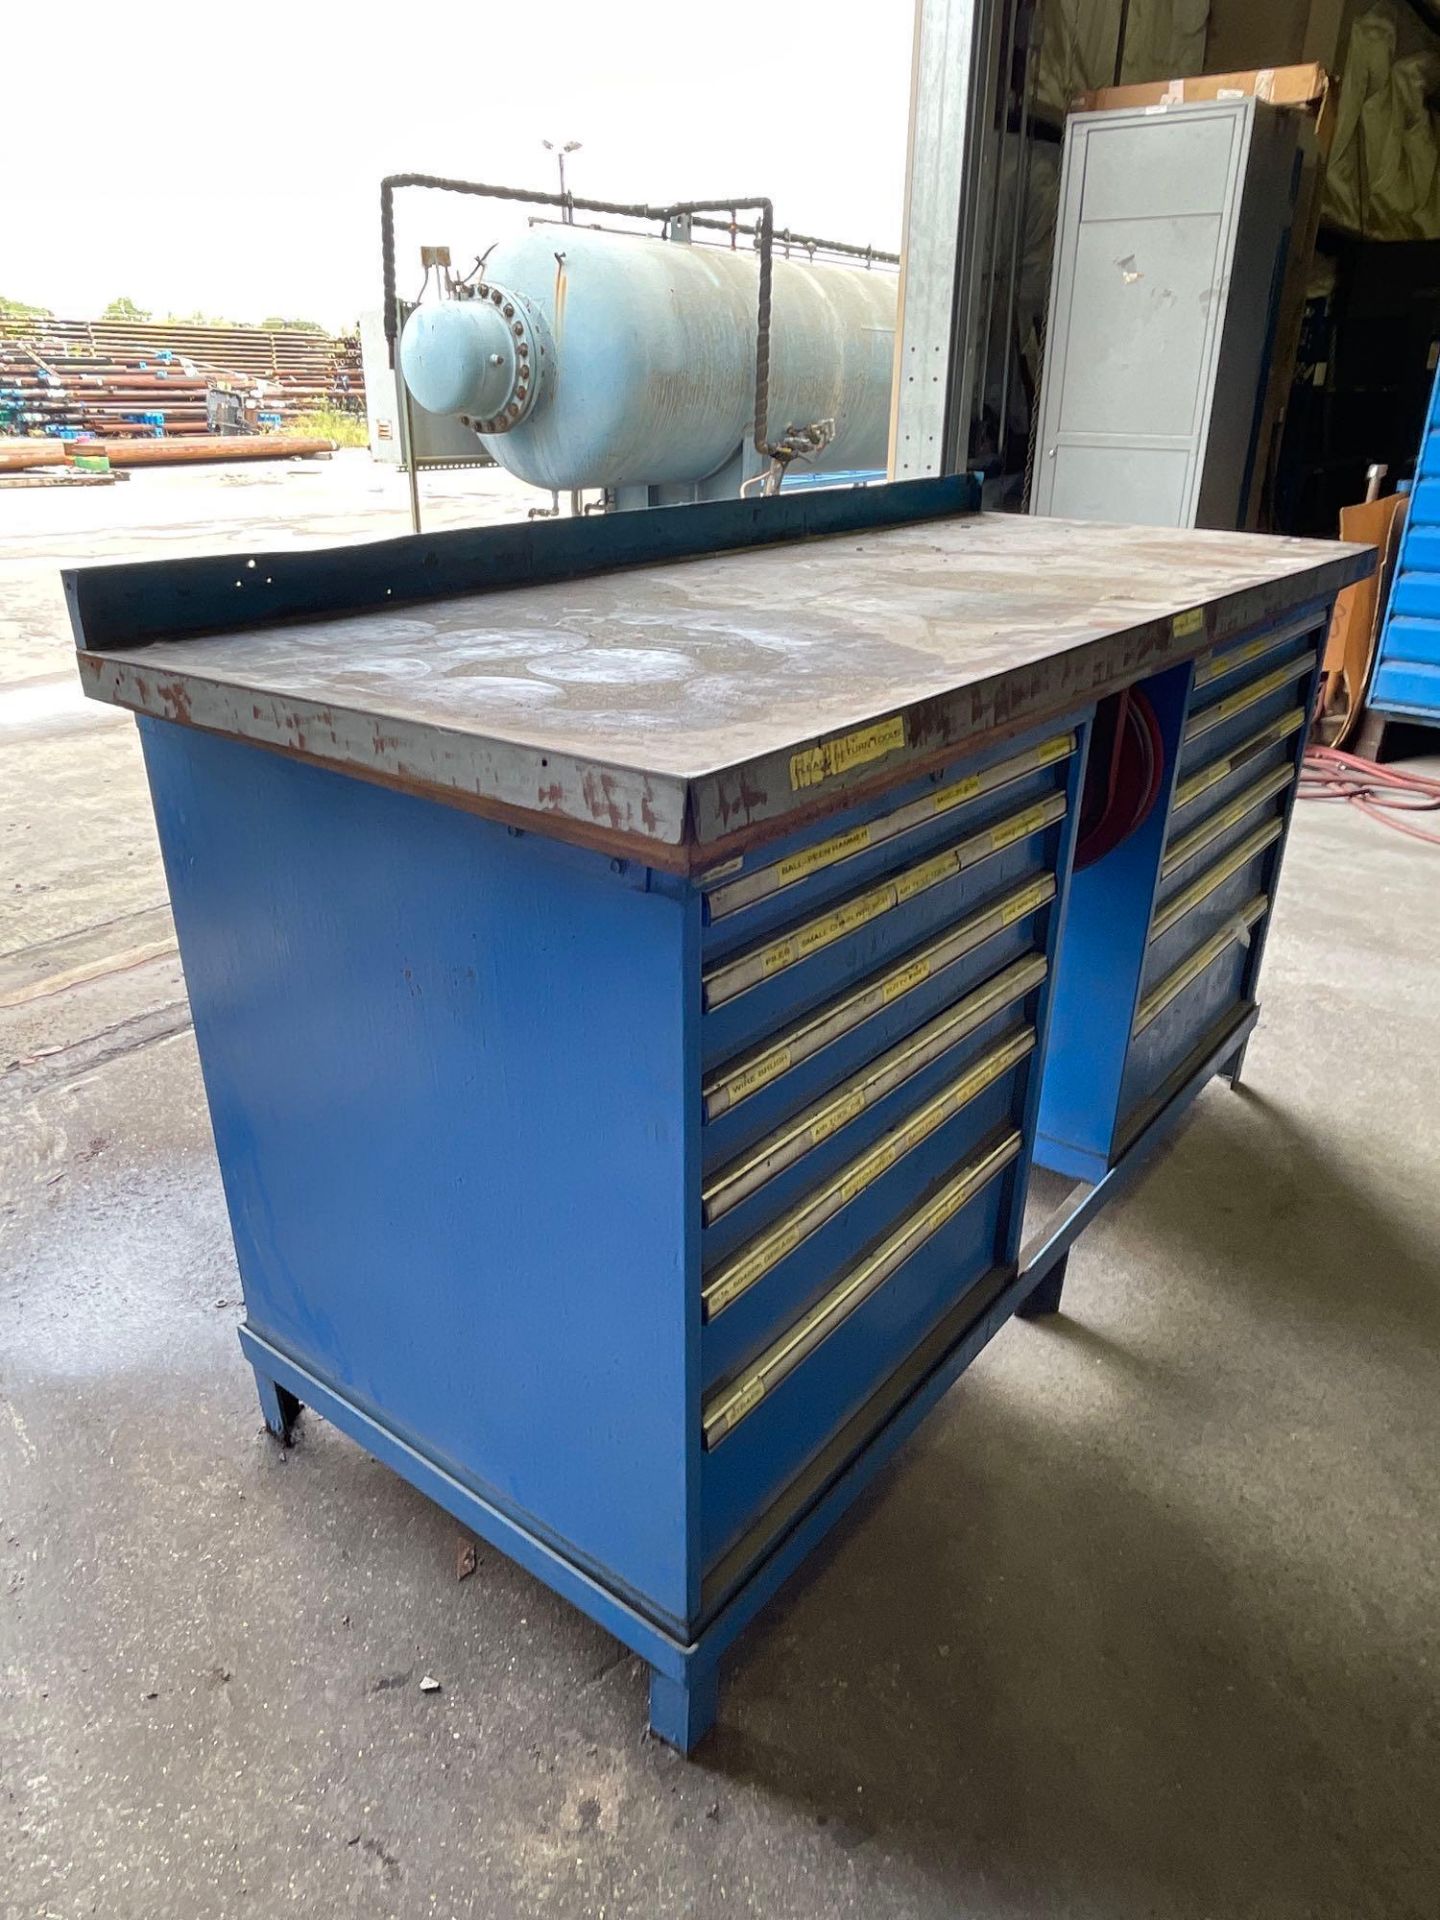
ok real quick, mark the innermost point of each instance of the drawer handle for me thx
(1247, 696)
(1217, 665)
(889, 1070)
(736, 1082)
(748, 969)
(1208, 831)
(767, 881)
(726, 1408)
(754, 1261)
(1204, 778)
(1190, 969)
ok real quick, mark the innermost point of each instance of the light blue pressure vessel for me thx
(590, 359)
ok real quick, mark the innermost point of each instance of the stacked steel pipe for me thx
(71, 456)
(61, 379)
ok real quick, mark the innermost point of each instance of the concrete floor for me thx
(1145, 1623)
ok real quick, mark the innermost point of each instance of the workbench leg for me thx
(682, 1712)
(279, 1406)
(1235, 1065)
(1044, 1298)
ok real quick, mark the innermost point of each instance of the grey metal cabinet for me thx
(1171, 244)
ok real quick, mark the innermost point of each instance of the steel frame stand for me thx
(1044, 1298)
(279, 1406)
(683, 1711)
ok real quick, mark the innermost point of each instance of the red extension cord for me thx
(1382, 792)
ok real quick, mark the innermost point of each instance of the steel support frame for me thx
(1043, 1258)
(952, 150)
(683, 1676)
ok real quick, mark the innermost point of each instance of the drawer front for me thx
(777, 1271)
(1188, 1006)
(851, 1110)
(749, 1096)
(794, 878)
(1208, 901)
(1225, 669)
(872, 1005)
(1223, 775)
(1229, 708)
(761, 1428)
(1221, 826)
(795, 949)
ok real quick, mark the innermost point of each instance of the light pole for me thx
(570, 146)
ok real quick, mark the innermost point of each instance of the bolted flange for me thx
(485, 358)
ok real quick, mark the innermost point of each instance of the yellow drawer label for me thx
(955, 796)
(904, 980)
(743, 1275)
(1241, 656)
(758, 1074)
(820, 933)
(1020, 904)
(1009, 831)
(836, 1117)
(823, 855)
(817, 764)
(1257, 689)
(991, 1071)
(869, 1170)
(846, 919)
(784, 953)
(1056, 749)
(925, 1123)
(928, 874)
(750, 1395)
(943, 1209)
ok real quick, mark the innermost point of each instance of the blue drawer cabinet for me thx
(878, 990)
(627, 1054)
(1164, 934)
(626, 1281)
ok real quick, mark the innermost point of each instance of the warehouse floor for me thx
(1144, 1623)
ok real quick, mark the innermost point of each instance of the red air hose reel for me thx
(1122, 779)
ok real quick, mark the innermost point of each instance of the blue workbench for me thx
(623, 957)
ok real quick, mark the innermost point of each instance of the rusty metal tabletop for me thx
(675, 711)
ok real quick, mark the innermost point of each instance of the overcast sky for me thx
(229, 161)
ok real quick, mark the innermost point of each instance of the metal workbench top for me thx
(674, 710)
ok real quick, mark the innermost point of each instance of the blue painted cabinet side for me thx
(1038, 1076)
(1097, 979)
(450, 1071)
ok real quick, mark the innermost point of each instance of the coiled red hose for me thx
(1384, 793)
(1121, 790)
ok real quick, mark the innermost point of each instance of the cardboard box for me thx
(1308, 87)
(1355, 625)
